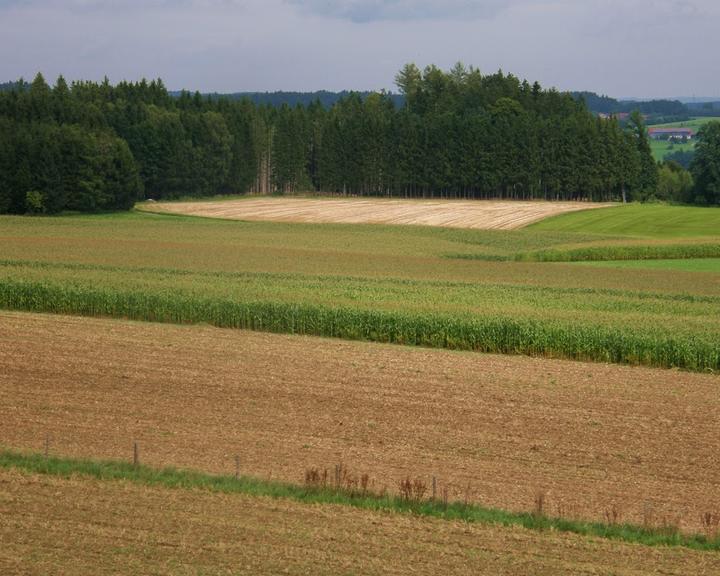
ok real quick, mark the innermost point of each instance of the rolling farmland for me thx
(466, 324)
(406, 285)
(203, 340)
(591, 436)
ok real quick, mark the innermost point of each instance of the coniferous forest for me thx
(90, 146)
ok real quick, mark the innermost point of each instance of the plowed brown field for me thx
(81, 526)
(480, 214)
(497, 428)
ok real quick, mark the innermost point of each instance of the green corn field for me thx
(495, 334)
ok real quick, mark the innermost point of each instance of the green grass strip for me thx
(184, 479)
(603, 253)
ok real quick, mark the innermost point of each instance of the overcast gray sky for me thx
(619, 47)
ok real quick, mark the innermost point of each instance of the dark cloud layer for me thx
(620, 47)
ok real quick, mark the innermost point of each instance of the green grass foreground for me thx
(182, 479)
(482, 333)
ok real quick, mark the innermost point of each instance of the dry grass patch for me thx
(478, 214)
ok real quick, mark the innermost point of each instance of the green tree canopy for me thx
(705, 166)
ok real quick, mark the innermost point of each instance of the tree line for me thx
(276, 99)
(89, 146)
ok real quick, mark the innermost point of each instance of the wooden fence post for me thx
(136, 454)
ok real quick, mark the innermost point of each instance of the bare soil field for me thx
(494, 429)
(82, 526)
(479, 214)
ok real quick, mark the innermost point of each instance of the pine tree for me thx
(648, 175)
(705, 166)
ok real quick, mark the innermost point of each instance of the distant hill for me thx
(7, 86)
(597, 103)
(704, 108)
(292, 99)
(697, 99)
(606, 105)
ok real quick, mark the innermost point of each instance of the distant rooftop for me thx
(670, 130)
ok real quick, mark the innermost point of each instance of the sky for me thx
(623, 48)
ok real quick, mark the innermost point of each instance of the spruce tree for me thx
(705, 166)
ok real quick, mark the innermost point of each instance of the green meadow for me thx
(651, 221)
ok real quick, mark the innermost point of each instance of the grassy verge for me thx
(684, 265)
(173, 478)
(604, 253)
(483, 333)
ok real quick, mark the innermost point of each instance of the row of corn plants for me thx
(483, 333)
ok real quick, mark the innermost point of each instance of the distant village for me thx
(674, 133)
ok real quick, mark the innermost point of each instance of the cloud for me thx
(619, 47)
(124, 6)
(378, 10)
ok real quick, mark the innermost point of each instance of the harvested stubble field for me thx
(81, 526)
(493, 429)
(481, 215)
